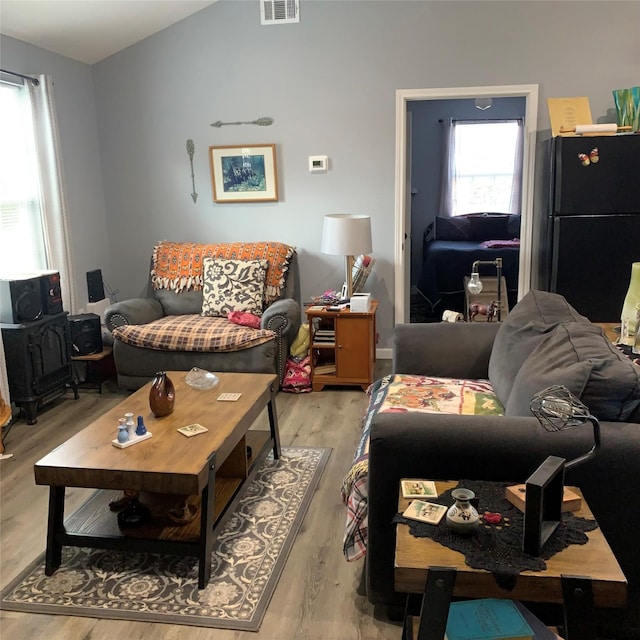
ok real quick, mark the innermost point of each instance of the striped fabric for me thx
(192, 333)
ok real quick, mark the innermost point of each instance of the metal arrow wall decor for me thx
(191, 150)
(261, 122)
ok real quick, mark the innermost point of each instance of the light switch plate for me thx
(318, 164)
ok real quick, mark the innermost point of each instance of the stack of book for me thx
(494, 619)
(327, 336)
(324, 369)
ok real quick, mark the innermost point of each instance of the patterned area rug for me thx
(252, 543)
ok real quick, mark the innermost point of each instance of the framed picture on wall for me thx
(244, 173)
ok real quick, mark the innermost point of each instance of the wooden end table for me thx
(424, 566)
(212, 465)
(97, 364)
(342, 346)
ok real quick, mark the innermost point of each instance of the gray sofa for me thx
(136, 365)
(510, 447)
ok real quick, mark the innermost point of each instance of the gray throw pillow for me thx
(177, 304)
(446, 228)
(546, 366)
(579, 356)
(527, 324)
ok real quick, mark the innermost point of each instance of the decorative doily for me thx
(497, 547)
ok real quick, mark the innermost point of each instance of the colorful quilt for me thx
(178, 265)
(401, 394)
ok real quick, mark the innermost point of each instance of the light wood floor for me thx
(316, 597)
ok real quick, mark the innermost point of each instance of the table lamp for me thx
(474, 286)
(556, 409)
(347, 235)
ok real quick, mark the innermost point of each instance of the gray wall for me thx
(330, 84)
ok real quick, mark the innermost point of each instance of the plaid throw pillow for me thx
(233, 285)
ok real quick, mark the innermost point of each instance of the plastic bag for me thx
(297, 376)
(300, 346)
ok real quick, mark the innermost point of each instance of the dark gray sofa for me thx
(136, 365)
(510, 447)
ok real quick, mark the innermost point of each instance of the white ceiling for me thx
(91, 30)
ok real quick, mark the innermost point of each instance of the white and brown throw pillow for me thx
(233, 285)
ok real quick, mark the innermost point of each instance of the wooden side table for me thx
(99, 368)
(342, 346)
(424, 566)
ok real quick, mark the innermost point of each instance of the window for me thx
(22, 242)
(485, 167)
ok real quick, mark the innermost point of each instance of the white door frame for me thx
(402, 241)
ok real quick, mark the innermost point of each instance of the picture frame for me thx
(244, 173)
(543, 504)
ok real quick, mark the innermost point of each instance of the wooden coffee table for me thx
(212, 465)
(580, 577)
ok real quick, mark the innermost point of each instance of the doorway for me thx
(403, 179)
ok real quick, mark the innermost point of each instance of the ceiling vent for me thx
(279, 11)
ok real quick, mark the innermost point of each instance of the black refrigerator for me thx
(594, 221)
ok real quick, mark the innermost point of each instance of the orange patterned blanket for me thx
(178, 265)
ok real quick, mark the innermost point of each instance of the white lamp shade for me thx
(346, 235)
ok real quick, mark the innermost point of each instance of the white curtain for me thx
(55, 215)
(516, 190)
(451, 167)
(448, 168)
(4, 380)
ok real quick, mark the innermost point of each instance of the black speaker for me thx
(20, 299)
(95, 286)
(86, 334)
(51, 293)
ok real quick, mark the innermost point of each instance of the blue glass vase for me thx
(141, 429)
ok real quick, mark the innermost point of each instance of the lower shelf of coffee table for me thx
(94, 517)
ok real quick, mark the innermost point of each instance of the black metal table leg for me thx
(30, 408)
(206, 526)
(412, 608)
(53, 555)
(579, 622)
(273, 422)
(434, 607)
